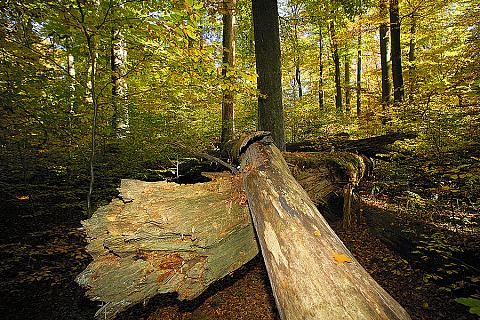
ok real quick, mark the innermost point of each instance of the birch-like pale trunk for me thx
(119, 82)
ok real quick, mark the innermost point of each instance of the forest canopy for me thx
(157, 72)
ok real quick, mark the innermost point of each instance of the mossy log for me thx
(313, 275)
(328, 177)
(161, 237)
(370, 147)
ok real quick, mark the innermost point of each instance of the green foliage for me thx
(471, 302)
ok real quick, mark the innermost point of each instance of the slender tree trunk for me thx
(297, 63)
(396, 52)
(336, 61)
(321, 93)
(384, 56)
(91, 68)
(411, 58)
(347, 83)
(119, 82)
(228, 115)
(267, 56)
(72, 88)
(71, 79)
(298, 80)
(359, 74)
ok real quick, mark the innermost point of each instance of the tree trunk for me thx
(336, 61)
(313, 275)
(384, 55)
(359, 74)
(321, 92)
(298, 80)
(347, 83)
(267, 56)
(228, 116)
(119, 83)
(411, 58)
(161, 237)
(71, 79)
(396, 52)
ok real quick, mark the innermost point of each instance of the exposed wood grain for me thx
(161, 237)
(301, 251)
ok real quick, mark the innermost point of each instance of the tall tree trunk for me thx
(321, 93)
(411, 58)
(267, 56)
(359, 74)
(384, 55)
(71, 80)
(347, 83)
(297, 62)
(91, 71)
(298, 80)
(336, 61)
(228, 115)
(119, 82)
(396, 52)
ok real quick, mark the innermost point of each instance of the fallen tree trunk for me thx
(163, 237)
(370, 147)
(313, 275)
(328, 178)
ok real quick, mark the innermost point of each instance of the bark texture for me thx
(359, 75)
(384, 55)
(302, 253)
(267, 56)
(228, 115)
(336, 61)
(321, 92)
(347, 83)
(121, 119)
(396, 52)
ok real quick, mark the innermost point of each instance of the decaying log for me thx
(313, 275)
(163, 237)
(329, 176)
(370, 147)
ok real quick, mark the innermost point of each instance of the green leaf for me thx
(473, 303)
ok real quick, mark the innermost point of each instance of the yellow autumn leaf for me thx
(23, 198)
(317, 233)
(341, 258)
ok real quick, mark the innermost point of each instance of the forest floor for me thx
(418, 238)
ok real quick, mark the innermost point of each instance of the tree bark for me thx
(411, 58)
(321, 92)
(228, 115)
(119, 83)
(163, 237)
(396, 52)
(384, 55)
(347, 83)
(267, 56)
(336, 61)
(359, 74)
(313, 275)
